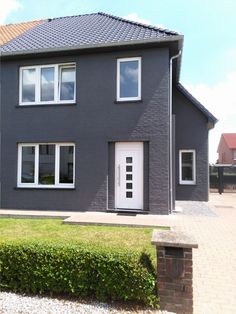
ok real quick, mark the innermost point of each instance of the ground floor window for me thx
(187, 166)
(46, 165)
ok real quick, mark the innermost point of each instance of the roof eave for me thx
(176, 38)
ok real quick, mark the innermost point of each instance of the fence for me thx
(222, 178)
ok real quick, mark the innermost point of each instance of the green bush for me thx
(40, 268)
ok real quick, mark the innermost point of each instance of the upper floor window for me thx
(47, 84)
(46, 165)
(187, 167)
(129, 79)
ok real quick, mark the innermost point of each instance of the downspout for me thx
(171, 130)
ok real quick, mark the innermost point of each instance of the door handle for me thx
(119, 175)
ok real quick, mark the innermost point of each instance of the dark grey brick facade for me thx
(191, 132)
(93, 124)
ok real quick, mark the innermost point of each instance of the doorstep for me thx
(95, 218)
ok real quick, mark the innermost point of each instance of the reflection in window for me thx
(129, 79)
(67, 83)
(66, 164)
(47, 165)
(28, 157)
(187, 166)
(47, 84)
(28, 85)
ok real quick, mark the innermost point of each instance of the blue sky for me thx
(209, 54)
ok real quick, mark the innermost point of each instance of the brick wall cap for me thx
(171, 238)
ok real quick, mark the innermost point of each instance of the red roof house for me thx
(11, 31)
(227, 149)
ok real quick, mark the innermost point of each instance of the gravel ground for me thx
(11, 303)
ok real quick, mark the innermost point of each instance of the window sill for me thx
(47, 105)
(43, 188)
(187, 183)
(128, 101)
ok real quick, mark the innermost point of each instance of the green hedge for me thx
(37, 268)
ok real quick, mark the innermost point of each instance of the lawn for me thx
(54, 231)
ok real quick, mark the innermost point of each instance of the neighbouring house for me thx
(227, 149)
(11, 31)
(93, 117)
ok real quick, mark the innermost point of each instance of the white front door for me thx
(129, 175)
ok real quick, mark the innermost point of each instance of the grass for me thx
(54, 231)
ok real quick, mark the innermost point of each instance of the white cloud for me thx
(220, 100)
(8, 6)
(134, 17)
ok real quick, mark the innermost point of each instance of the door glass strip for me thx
(129, 177)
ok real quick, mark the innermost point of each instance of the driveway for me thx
(214, 277)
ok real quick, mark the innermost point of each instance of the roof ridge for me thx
(68, 16)
(152, 27)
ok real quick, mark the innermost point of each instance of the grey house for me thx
(93, 117)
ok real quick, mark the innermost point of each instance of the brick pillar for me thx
(174, 270)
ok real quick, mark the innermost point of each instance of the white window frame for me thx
(188, 182)
(36, 167)
(119, 61)
(57, 84)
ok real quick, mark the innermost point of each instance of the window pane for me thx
(46, 164)
(28, 85)
(66, 164)
(27, 167)
(187, 166)
(129, 194)
(129, 186)
(67, 79)
(129, 160)
(129, 168)
(47, 84)
(129, 79)
(129, 177)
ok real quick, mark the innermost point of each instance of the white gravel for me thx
(11, 303)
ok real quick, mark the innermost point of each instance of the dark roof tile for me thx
(88, 29)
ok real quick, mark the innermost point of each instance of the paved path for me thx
(212, 224)
(215, 259)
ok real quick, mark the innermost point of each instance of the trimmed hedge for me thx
(39, 268)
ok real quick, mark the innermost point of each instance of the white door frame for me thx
(127, 197)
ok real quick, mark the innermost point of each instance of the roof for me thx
(197, 104)
(88, 30)
(230, 139)
(11, 31)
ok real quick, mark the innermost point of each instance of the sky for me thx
(209, 54)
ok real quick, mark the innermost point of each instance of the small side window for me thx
(129, 79)
(187, 167)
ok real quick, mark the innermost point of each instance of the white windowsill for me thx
(187, 183)
(47, 103)
(32, 186)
